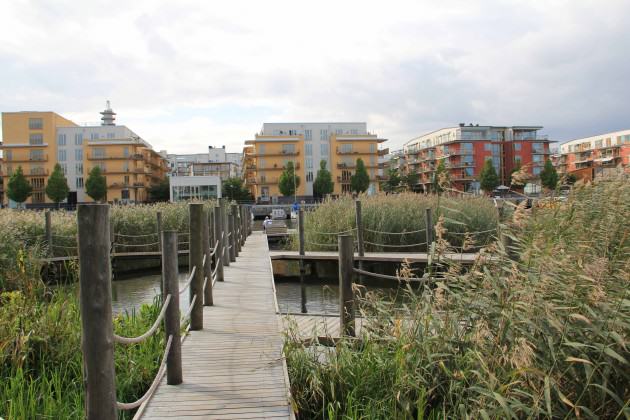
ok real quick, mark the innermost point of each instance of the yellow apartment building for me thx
(36, 141)
(306, 144)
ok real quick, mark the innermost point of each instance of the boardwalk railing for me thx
(98, 337)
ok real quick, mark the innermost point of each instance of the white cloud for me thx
(187, 74)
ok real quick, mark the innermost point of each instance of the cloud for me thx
(187, 74)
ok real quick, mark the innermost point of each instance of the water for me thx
(128, 295)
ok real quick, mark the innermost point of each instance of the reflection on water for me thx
(320, 298)
(133, 293)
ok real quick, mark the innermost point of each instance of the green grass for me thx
(543, 335)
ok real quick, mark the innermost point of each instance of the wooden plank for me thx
(233, 367)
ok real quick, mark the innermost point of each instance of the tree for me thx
(18, 188)
(96, 185)
(410, 180)
(234, 189)
(57, 188)
(570, 179)
(549, 176)
(288, 181)
(440, 177)
(360, 181)
(161, 191)
(393, 181)
(488, 178)
(323, 181)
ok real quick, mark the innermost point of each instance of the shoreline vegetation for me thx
(538, 329)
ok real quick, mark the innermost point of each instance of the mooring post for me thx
(243, 225)
(171, 317)
(429, 227)
(196, 261)
(360, 246)
(207, 268)
(218, 231)
(225, 242)
(302, 253)
(48, 231)
(346, 295)
(97, 333)
(232, 242)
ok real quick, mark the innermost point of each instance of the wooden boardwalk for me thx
(233, 368)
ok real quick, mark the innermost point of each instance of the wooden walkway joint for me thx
(233, 368)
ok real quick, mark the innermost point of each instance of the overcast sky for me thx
(188, 74)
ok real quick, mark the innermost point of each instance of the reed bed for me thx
(398, 222)
(536, 330)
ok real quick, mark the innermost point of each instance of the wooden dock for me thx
(233, 368)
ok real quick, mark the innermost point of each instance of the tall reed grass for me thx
(543, 334)
(396, 214)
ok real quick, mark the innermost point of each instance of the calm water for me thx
(320, 298)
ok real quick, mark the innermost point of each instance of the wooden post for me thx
(302, 253)
(236, 230)
(171, 318)
(207, 269)
(159, 230)
(196, 260)
(429, 227)
(218, 230)
(211, 227)
(360, 245)
(225, 255)
(346, 295)
(232, 242)
(244, 221)
(48, 231)
(97, 334)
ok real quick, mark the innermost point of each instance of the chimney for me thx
(223, 147)
(462, 124)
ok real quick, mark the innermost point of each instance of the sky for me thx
(187, 74)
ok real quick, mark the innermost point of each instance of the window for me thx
(346, 148)
(126, 180)
(126, 152)
(288, 149)
(339, 131)
(94, 136)
(78, 139)
(37, 183)
(64, 168)
(309, 149)
(35, 139)
(79, 183)
(78, 168)
(536, 170)
(261, 163)
(8, 155)
(537, 158)
(467, 160)
(125, 167)
(124, 194)
(38, 170)
(372, 147)
(98, 152)
(39, 197)
(35, 123)
(309, 163)
(36, 155)
(324, 150)
(469, 171)
(517, 147)
(308, 134)
(111, 135)
(372, 160)
(538, 147)
(487, 147)
(323, 135)
(517, 160)
(78, 154)
(293, 132)
(598, 144)
(309, 176)
(61, 155)
(466, 147)
(354, 131)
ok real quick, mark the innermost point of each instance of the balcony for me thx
(39, 173)
(452, 165)
(354, 165)
(262, 181)
(137, 156)
(278, 167)
(36, 158)
(383, 152)
(279, 153)
(460, 177)
(119, 185)
(138, 184)
(109, 157)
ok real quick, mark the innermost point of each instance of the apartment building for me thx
(596, 156)
(306, 144)
(217, 162)
(36, 141)
(464, 150)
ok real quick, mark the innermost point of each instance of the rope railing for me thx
(214, 250)
(395, 233)
(136, 245)
(335, 233)
(186, 316)
(154, 384)
(121, 235)
(153, 329)
(71, 237)
(203, 263)
(394, 246)
(387, 277)
(214, 272)
(54, 245)
(205, 281)
(319, 244)
(471, 233)
(189, 280)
